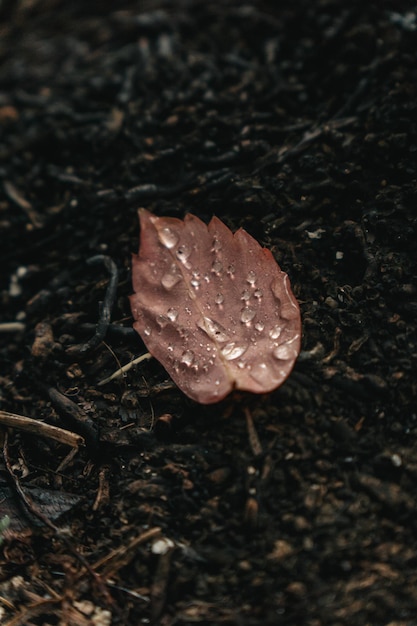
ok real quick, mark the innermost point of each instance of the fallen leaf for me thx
(213, 307)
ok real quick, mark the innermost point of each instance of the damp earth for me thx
(296, 122)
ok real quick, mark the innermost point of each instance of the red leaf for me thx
(213, 307)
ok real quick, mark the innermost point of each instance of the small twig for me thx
(20, 422)
(26, 499)
(159, 584)
(121, 556)
(103, 493)
(12, 327)
(336, 346)
(17, 197)
(33, 510)
(125, 368)
(254, 442)
(77, 418)
(105, 307)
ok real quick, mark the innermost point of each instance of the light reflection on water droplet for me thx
(187, 358)
(247, 315)
(245, 295)
(170, 279)
(260, 373)
(258, 293)
(172, 314)
(168, 238)
(275, 332)
(213, 329)
(251, 277)
(216, 245)
(161, 320)
(284, 352)
(219, 299)
(195, 283)
(147, 331)
(233, 351)
(217, 267)
(183, 252)
(259, 326)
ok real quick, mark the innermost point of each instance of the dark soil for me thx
(299, 124)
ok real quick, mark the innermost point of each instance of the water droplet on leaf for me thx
(219, 299)
(251, 277)
(247, 315)
(213, 329)
(172, 314)
(161, 320)
(217, 267)
(216, 245)
(187, 358)
(168, 238)
(183, 253)
(260, 373)
(171, 278)
(233, 351)
(275, 332)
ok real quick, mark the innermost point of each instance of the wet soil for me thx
(296, 122)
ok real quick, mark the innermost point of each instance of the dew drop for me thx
(195, 283)
(162, 321)
(259, 326)
(284, 352)
(233, 351)
(245, 295)
(219, 299)
(187, 358)
(172, 314)
(258, 293)
(147, 331)
(260, 373)
(213, 329)
(216, 245)
(251, 277)
(171, 278)
(217, 267)
(275, 332)
(247, 315)
(231, 270)
(168, 238)
(183, 253)
(170, 348)
(217, 382)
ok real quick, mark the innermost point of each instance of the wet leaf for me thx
(213, 307)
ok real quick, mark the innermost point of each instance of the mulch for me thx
(295, 121)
